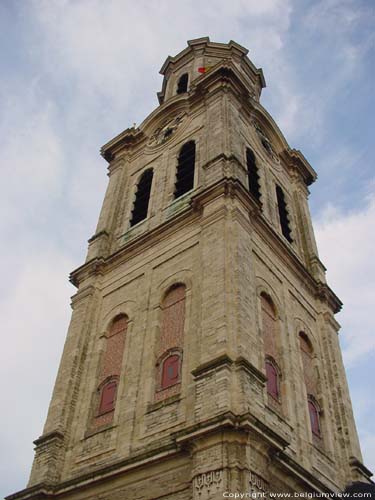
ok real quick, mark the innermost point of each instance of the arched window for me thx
(271, 342)
(311, 384)
(170, 342)
(307, 363)
(283, 214)
(269, 326)
(314, 417)
(272, 373)
(108, 396)
(142, 197)
(252, 174)
(182, 84)
(185, 169)
(305, 344)
(110, 370)
(170, 372)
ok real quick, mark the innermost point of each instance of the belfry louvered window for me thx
(252, 174)
(182, 84)
(283, 214)
(142, 197)
(185, 169)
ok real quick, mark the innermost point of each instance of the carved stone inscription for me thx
(257, 484)
(208, 483)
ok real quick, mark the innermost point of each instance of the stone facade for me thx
(216, 429)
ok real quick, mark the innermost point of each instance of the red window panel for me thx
(119, 325)
(314, 418)
(108, 397)
(272, 380)
(170, 371)
(270, 327)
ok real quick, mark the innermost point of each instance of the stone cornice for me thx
(41, 491)
(46, 439)
(179, 442)
(127, 138)
(296, 159)
(227, 187)
(326, 294)
(297, 469)
(225, 361)
(97, 474)
(362, 469)
(224, 76)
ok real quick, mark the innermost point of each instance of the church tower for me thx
(202, 358)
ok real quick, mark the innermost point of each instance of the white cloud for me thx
(346, 243)
(109, 48)
(35, 315)
(31, 152)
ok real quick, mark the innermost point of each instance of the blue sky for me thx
(76, 73)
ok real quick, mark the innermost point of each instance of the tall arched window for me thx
(252, 174)
(273, 382)
(182, 84)
(171, 342)
(142, 197)
(314, 417)
(271, 342)
(269, 326)
(283, 214)
(311, 383)
(185, 169)
(307, 362)
(110, 370)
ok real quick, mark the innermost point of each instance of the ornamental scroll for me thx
(207, 483)
(257, 484)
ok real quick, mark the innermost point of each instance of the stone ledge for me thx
(151, 407)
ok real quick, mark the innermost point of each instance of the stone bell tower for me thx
(202, 357)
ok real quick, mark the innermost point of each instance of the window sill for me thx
(319, 447)
(278, 413)
(179, 203)
(103, 428)
(133, 231)
(151, 407)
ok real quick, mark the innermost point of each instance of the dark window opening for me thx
(252, 174)
(170, 371)
(182, 84)
(283, 214)
(314, 418)
(272, 380)
(168, 133)
(108, 397)
(142, 198)
(185, 169)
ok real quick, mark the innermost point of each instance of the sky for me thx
(76, 73)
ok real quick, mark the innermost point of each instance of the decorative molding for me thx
(98, 235)
(50, 437)
(207, 483)
(243, 363)
(223, 361)
(257, 484)
(126, 139)
(151, 407)
(358, 467)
